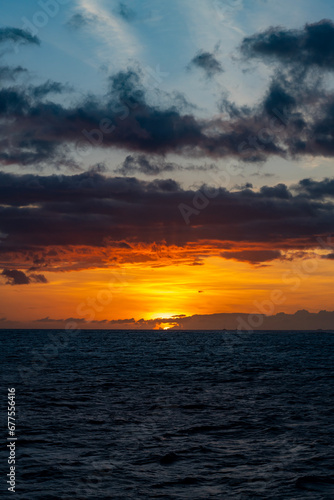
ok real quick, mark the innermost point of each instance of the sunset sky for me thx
(165, 159)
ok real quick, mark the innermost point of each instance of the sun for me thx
(165, 320)
(168, 326)
(165, 326)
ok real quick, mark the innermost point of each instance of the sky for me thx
(165, 160)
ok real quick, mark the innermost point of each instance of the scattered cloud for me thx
(16, 277)
(16, 35)
(294, 118)
(291, 121)
(208, 62)
(311, 46)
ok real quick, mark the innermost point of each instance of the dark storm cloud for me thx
(207, 62)
(16, 277)
(294, 118)
(39, 131)
(297, 93)
(278, 191)
(40, 213)
(311, 46)
(17, 35)
(277, 97)
(316, 189)
(12, 102)
(123, 119)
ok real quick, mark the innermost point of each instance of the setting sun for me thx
(167, 247)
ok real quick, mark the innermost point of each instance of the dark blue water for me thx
(191, 415)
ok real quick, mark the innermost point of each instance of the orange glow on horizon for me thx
(135, 291)
(165, 326)
(159, 315)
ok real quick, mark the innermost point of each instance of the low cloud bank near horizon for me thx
(241, 322)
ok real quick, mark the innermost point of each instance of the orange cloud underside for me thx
(76, 258)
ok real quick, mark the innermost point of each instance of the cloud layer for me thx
(47, 219)
(294, 118)
(90, 220)
(243, 322)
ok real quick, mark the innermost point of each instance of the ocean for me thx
(169, 415)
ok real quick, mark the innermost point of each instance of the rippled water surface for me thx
(170, 415)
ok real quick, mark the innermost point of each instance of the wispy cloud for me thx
(113, 30)
(220, 16)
